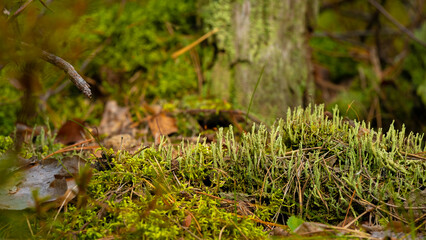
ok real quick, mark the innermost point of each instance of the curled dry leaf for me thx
(51, 178)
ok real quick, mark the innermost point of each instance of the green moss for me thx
(5, 143)
(304, 165)
(135, 37)
(9, 103)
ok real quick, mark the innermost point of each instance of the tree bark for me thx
(253, 34)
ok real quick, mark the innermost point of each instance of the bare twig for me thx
(68, 69)
(83, 67)
(20, 9)
(198, 41)
(401, 27)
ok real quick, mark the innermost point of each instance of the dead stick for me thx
(185, 49)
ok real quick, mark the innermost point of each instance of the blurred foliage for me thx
(336, 56)
(140, 37)
(9, 103)
(370, 64)
(5, 143)
(414, 68)
(125, 50)
(123, 47)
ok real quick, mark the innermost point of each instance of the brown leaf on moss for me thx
(187, 221)
(277, 231)
(71, 132)
(162, 125)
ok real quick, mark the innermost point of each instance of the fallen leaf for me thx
(293, 222)
(25, 132)
(277, 231)
(115, 120)
(187, 221)
(398, 226)
(162, 125)
(310, 228)
(50, 177)
(71, 132)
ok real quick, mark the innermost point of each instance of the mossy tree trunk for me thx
(257, 33)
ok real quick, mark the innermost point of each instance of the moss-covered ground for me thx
(313, 165)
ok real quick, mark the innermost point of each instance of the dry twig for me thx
(68, 69)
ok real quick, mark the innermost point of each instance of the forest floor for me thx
(201, 174)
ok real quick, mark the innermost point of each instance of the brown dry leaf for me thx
(69, 195)
(277, 231)
(25, 132)
(310, 228)
(187, 221)
(398, 226)
(162, 125)
(71, 132)
(48, 177)
(116, 120)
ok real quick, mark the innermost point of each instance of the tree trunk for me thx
(253, 34)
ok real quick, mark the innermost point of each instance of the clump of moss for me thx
(138, 198)
(5, 143)
(309, 164)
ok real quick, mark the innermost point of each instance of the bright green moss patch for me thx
(5, 143)
(307, 165)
